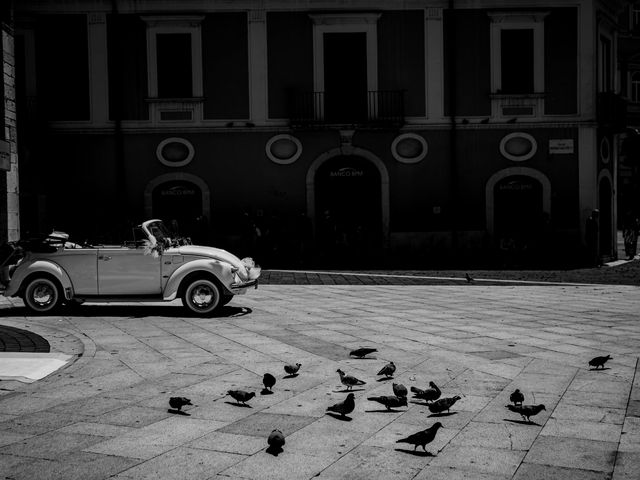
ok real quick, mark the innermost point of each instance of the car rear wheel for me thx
(42, 295)
(202, 296)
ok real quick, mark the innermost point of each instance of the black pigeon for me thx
(428, 395)
(468, 277)
(362, 352)
(390, 401)
(241, 395)
(422, 437)
(292, 369)
(276, 440)
(179, 402)
(349, 381)
(599, 361)
(526, 410)
(345, 406)
(443, 404)
(517, 397)
(399, 390)
(268, 380)
(388, 370)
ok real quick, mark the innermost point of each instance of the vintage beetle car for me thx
(152, 267)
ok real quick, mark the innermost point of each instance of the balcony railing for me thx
(612, 111)
(379, 108)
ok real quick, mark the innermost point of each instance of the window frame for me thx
(517, 20)
(190, 24)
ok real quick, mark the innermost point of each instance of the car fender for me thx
(222, 271)
(24, 270)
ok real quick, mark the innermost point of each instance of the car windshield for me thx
(160, 231)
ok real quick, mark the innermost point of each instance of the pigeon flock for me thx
(436, 404)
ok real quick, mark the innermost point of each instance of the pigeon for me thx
(292, 369)
(599, 361)
(399, 390)
(443, 404)
(268, 380)
(388, 370)
(179, 402)
(422, 437)
(517, 397)
(468, 277)
(241, 395)
(345, 406)
(276, 440)
(348, 380)
(526, 410)
(390, 401)
(362, 352)
(428, 395)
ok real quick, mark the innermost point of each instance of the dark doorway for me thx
(606, 221)
(518, 215)
(345, 77)
(178, 203)
(348, 210)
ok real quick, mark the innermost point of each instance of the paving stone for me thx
(262, 424)
(432, 472)
(484, 460)
(132, 416)
(50, 445)
(568, 411)
(533, 471)
(286, 466)
(573, 453)
(229, 442)
(509, 436)
(627, 466)
(630, 438)
(367, 462)
(40, 422)
(182, 463)
(8, 437)
(604, 432)
(98, 429)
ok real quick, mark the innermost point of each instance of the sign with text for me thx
(561, 145)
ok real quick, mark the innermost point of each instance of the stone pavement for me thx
(106, 415)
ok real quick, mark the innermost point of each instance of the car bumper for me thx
(239, 287)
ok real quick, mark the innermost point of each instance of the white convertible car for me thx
(152, 267)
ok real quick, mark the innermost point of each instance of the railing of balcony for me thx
(378, 108)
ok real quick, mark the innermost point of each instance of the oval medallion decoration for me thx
(518, 146)
(409, 148)
(175, 152)
(283, 149)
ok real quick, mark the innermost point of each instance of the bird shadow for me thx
(604, 368)
(349, 391)
(266, 391)
(236, 404)
(423, 403)
(443, 414)
(275, 451)
(383, 411)
(291, 375)
(178, 412)
(521, 422)
(337, 416)
(384, 379)
(415, 452)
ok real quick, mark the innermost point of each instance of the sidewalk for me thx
(106, 415)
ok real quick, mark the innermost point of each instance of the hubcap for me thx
(43, 295)
(202, 296)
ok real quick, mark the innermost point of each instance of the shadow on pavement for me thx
(130, 311)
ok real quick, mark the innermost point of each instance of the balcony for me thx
(612, 111)
(372, 109)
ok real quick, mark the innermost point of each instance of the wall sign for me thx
(561, 145)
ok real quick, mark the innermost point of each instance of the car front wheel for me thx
(42, 295)
(202, 296)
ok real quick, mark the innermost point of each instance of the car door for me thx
(80, 265)
(128, 271)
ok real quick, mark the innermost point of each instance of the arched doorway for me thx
(179, 204)
(606, 217)
(518, 214)
(348, 208)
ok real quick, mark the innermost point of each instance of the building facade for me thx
(411, 130)
(9, 190)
